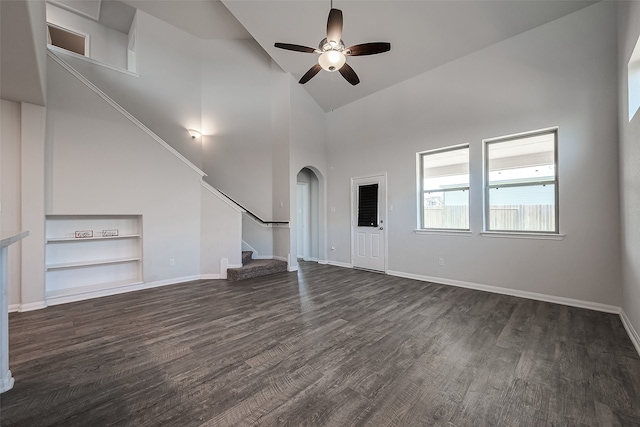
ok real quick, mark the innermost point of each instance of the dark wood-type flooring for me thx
(326, 346)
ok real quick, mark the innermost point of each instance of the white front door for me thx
(369, 222)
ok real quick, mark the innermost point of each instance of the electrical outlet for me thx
(441, 262)
(172, 262)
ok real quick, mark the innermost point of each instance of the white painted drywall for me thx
(257, 238)
(308, 177)
(33, 187)
(282, 192)
(221, 231)
(629, 133)
(100, 163)
(560, 74)
(10, 212)
(166, 97)
(309, 150)
(236, 116)
(105, 44)
(24, 54)
(220, 87)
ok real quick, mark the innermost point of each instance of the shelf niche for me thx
(103, 261)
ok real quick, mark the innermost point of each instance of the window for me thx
(444, 188)
(633, 69)
(521, 184)
(66, 39)
(368, 205)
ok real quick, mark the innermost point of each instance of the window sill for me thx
(56, 49)
(462, 233)
(534, 236)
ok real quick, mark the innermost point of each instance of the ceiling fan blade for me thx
(334, 25)
(295, 47)
(349, 75)
(309, 74)
(369, 48)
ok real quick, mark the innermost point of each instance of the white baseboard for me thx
(210, 276)
(292, 268)
(512, 292)
(7, 382)
(74, 295)
(323, 262)
(15, 308)
(633, 334)
(340, 264)
(33, 306)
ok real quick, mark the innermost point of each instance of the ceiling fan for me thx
(333, 54)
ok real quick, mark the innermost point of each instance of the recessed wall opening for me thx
(308, 215)
(66, 39)
(634, 81)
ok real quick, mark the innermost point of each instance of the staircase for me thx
(255, 267)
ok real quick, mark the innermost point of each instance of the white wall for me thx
(10, 212)
(282, 192)
(100, 163)
(560, 74)
(307, 176)
(308, 149)
(221, 233)
(105, 44)
(220, 87)
(32, 200)
(24, 52)
(236, 117)
(166, 96)
(257, 238)
(629, 132)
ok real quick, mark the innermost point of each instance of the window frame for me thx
(72, 31)
(421, 191)
(488, 186)
(633, 81)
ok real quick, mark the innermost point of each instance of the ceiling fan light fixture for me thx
(333, 54)
(332, 60)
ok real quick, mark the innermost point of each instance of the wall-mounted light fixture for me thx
(194, 133)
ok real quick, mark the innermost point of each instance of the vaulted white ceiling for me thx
(424, 34)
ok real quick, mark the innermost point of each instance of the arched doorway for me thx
(308, 195)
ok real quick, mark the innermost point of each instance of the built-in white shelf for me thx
(76, 239)
(90, 263)
(75, 264)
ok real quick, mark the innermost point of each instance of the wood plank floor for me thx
(326, 346)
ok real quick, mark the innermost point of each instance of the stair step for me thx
(257, 268)
(246, 257)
